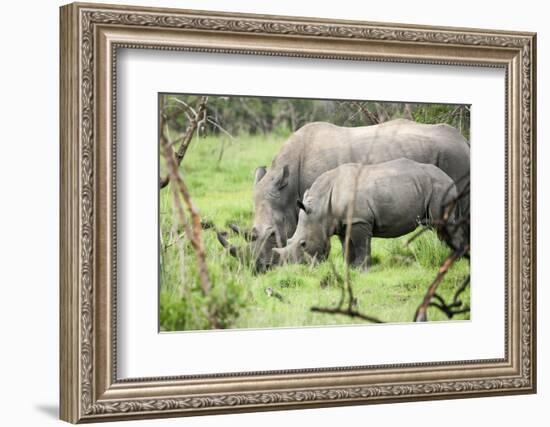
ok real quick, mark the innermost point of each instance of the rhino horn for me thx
(232, 249)
(282, 253)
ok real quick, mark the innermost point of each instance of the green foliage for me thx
(428, 251)
(391, 290)
(279, 116)
(184, 307)
(457, 116)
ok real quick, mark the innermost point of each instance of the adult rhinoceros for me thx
(319, 147)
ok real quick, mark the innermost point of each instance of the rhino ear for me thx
(282, 179)
(302, 206)
(259, 174)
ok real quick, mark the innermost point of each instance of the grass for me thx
(222, 189)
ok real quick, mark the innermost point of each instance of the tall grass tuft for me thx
(427, 251)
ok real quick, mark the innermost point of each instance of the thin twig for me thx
(186, 105)
(415, 236)
(348, 312)
(347, 239)
(462, 288)
(175, 240)
(449, 312)
(340, 281)
(373, 118)
(179, 213)
(206, 225)
(452, 309)
(216, 124)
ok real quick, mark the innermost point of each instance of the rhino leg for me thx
(368, 257)
(359, 248)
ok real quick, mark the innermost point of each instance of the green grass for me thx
(222, 190)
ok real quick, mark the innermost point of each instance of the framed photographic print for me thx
(265, 212)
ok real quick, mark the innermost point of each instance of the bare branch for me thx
(348, 312)
(369, 115)
(407, 111)
(381, 112)
(186, 105)
(216, 124)
(194, 231)
(198, 118)
(456, 302)
(452, 309)
(421, 311)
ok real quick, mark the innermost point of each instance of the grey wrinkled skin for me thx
(389, 200)
(319, 147)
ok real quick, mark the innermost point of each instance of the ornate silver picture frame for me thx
(91, 36)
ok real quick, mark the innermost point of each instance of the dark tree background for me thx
(238, 114)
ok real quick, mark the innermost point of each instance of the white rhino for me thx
(386, 200)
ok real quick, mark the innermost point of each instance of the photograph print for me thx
(282, 212)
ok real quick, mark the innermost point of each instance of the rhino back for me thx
(391, 196)
(319, 147)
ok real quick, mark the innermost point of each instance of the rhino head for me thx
(311, 240)
(275, 213)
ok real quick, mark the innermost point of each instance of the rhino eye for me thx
(303, 243)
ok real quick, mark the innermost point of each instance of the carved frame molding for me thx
(90, 36)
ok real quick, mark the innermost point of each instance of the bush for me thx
(195, 311)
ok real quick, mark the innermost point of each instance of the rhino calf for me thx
(386, 200)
